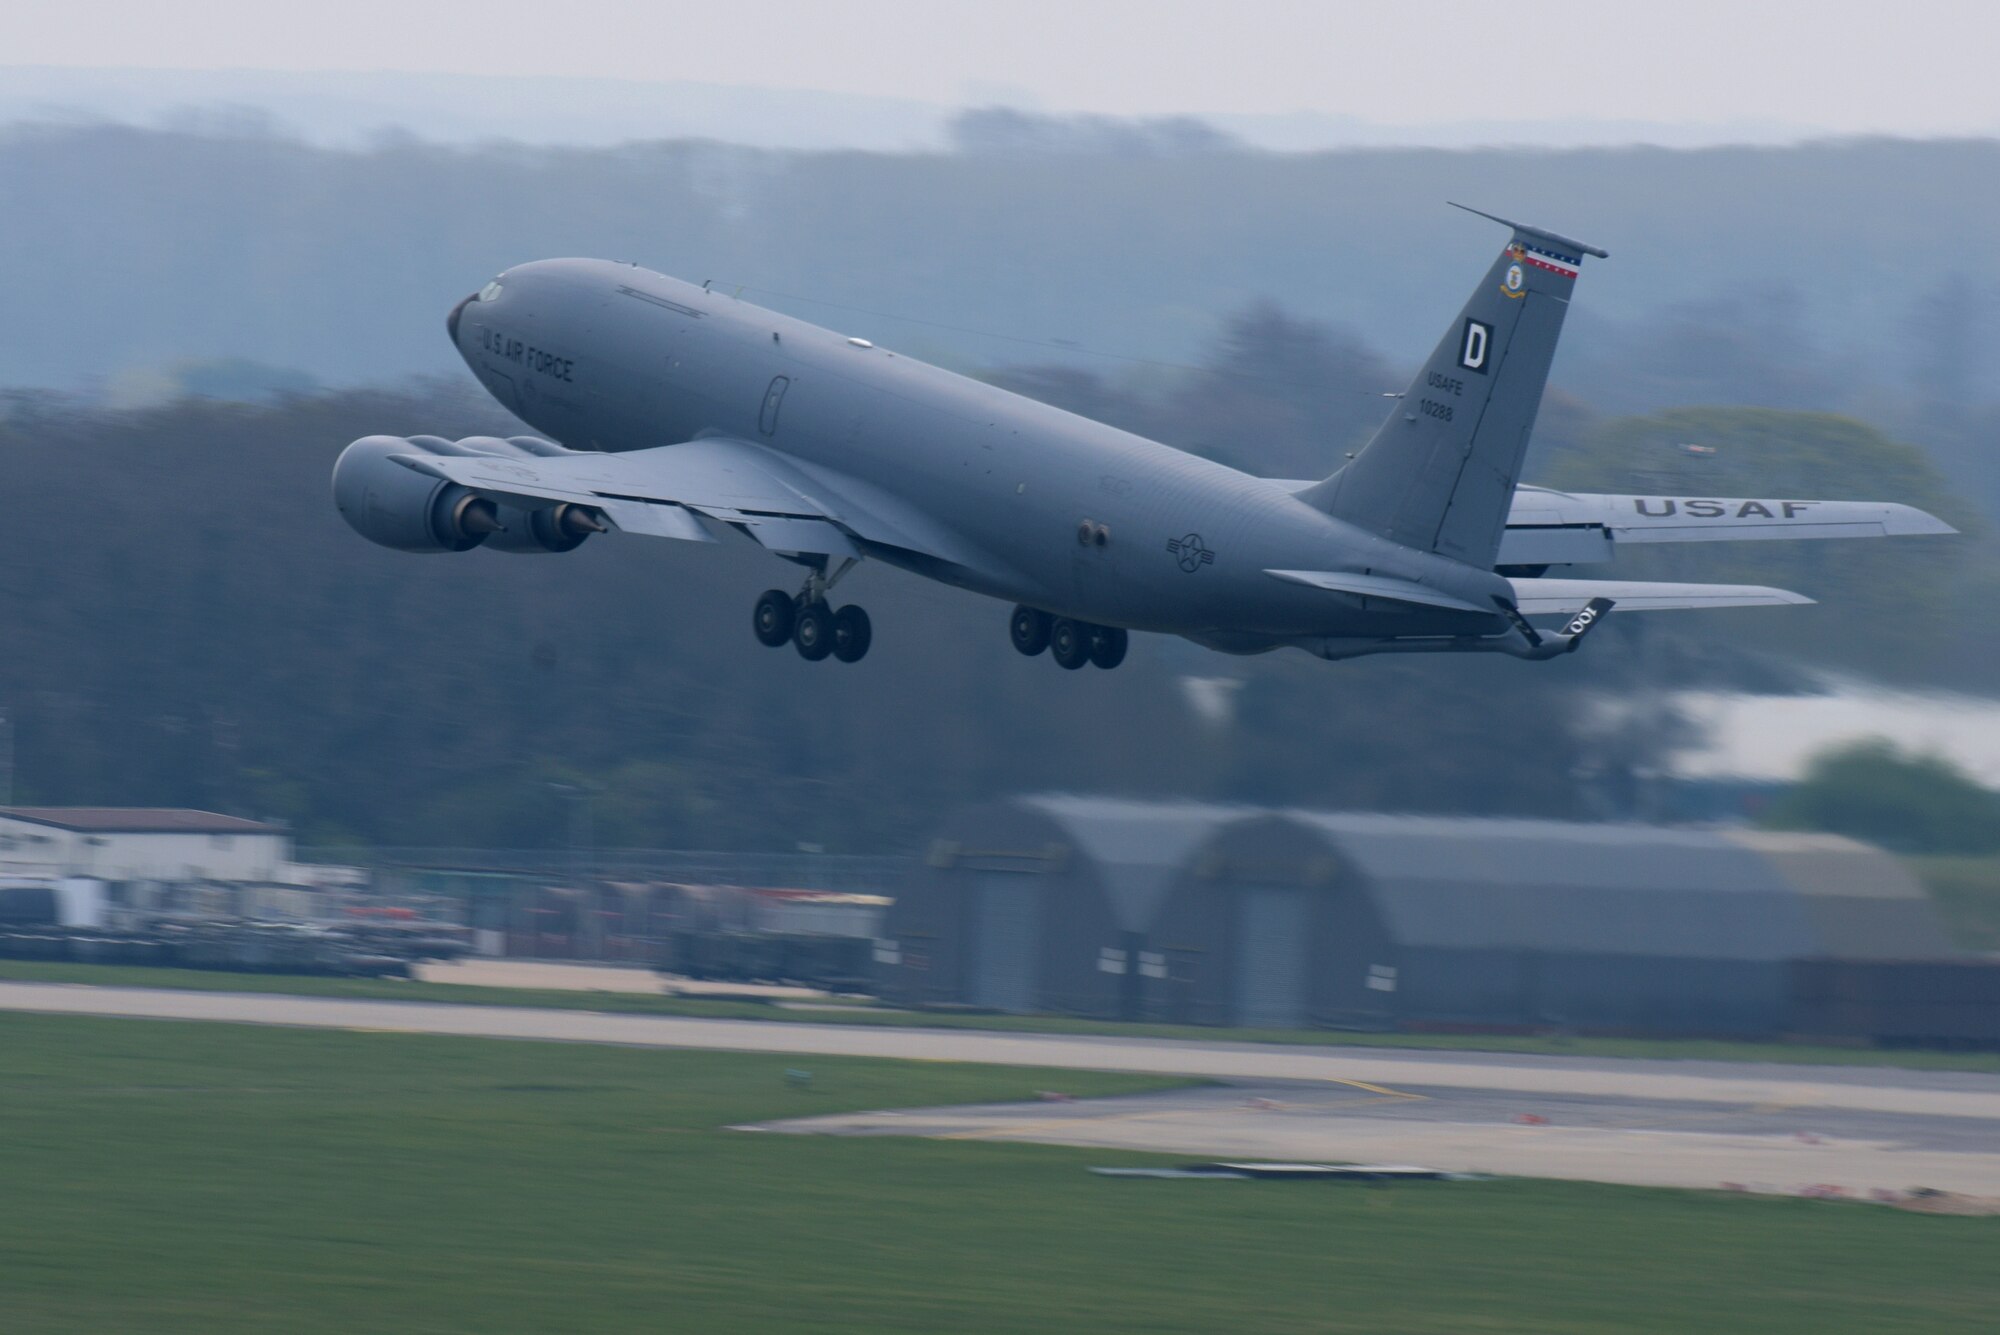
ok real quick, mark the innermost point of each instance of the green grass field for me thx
(177, 1177)
(389, 989)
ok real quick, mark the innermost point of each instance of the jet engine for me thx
(399, 507)
(554, 528)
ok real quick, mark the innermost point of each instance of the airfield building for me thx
(1040, 904)
(140, 844)
(1378, 921)
(1381, 922)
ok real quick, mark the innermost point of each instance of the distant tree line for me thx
(1789, 278)
(1908, 801)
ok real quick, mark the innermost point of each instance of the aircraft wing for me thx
(1553, 597)
(1567, 528)
(670, 490)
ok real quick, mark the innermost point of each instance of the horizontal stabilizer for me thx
(1547, 527)
(1379, 586)
(1565, 528)
(1560, 597)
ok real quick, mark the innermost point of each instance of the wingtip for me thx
(1909, 521)
(1771, 597)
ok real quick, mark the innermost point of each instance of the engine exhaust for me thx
(476, 517)
(579, 521)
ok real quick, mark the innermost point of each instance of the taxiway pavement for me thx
(1771, 1147)
(1668, 1123)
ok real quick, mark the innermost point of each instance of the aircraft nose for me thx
(451, 321)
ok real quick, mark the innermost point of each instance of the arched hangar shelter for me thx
(1040, 904)
(1380, 921)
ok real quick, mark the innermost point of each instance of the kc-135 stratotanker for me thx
(679, 412)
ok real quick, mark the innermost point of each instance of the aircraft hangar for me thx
(1039, 904)
(1205, 915)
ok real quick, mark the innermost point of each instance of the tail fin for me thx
(1439, 476)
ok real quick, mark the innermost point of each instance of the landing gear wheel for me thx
(812, 632)
(1069, 643)
(851, 634)
(1029, 628)
(1107, 646)
(774, 617)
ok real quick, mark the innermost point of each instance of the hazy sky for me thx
(1916, 67)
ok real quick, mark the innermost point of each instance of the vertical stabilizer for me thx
(1439, 476)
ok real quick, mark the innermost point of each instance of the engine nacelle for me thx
(392, 505)
(399, 507)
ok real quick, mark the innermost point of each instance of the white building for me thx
(140, 844)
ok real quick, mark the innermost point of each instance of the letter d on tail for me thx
(1473, 347)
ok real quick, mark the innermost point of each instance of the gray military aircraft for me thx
(680, 412)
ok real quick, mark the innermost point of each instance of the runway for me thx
(1588, 1118)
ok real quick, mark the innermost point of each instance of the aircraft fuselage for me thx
(1056, 511)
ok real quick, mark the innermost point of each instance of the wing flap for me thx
(1560, 597)
(795, 535)
(653, 520)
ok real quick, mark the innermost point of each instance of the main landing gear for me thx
(1070, 643)
(806, 622)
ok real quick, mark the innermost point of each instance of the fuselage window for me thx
(490, 291)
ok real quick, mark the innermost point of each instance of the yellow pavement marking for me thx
(1383, 1090)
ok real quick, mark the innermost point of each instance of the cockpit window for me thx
(490, 291)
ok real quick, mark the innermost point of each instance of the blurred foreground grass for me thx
(178, 1177)
(392, 989)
